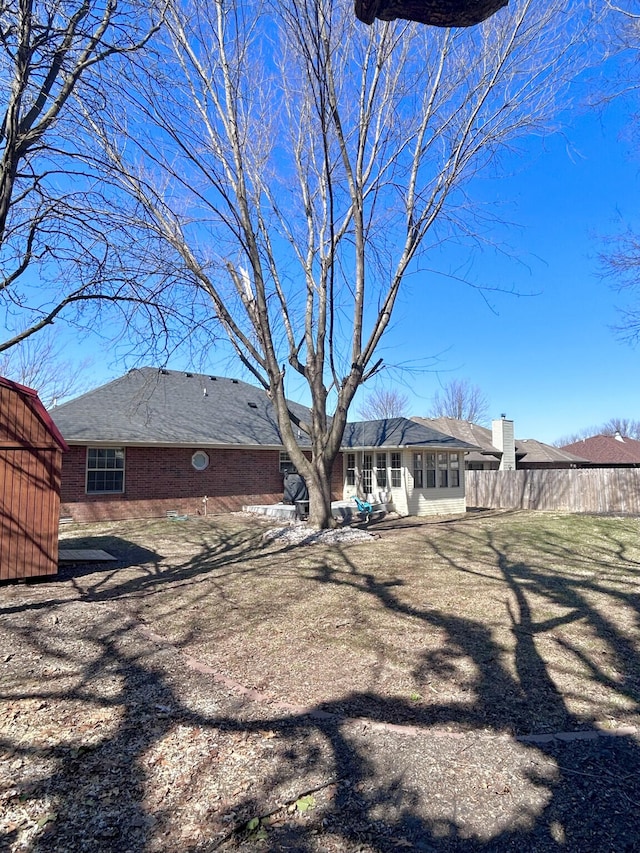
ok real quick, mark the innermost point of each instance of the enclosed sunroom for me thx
(404, 466)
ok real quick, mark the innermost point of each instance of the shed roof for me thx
(31, 398)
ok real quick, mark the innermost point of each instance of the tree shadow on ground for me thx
(125, 552)
(386, 788)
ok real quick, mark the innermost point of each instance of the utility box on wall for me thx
(31, 450)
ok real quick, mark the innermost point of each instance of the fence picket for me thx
(615, 490)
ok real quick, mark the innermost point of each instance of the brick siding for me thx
(158, 479)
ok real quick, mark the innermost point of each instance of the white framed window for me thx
(351, 469)
(105, 470)
(381, 470)
(418, 471)
(367, 473)
(443, 470)
(431, 470)
(454, 470)
(200, 460)
(396, 470)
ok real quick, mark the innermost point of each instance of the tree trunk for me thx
(319, 485)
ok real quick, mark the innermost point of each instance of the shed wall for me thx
(30, 463)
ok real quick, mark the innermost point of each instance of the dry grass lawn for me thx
(163, 702)
(519, 622)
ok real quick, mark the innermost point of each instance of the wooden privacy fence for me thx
(611, 490)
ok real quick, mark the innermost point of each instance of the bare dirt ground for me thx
(450, 684)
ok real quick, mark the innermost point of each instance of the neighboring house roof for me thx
(399, 432)
(530, 450)
(30, 396)
(527, 449)
(607, 449)
(151, 406)
(465, 431)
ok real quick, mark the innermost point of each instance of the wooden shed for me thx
(31, 450)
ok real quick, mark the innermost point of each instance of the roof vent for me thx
(213, 378)
(189, 375)
(164, 372)
(235, 381)
(252, 405)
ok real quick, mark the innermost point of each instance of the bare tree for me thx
(620, 254)
(621, 264)
(384, 403)
(626, 427)
(460, 399)
(39, 362)
(297, 163)
(60, 238)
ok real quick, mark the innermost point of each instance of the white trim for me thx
(206, 460)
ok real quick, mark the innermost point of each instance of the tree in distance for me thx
(39, 362)
(462, 400)
(626, 427)
(384, 403)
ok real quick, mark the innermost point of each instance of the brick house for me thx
(154, 441)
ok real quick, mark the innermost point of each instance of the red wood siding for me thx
(158, 479)
(30, 463)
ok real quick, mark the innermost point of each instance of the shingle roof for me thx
(527, 449)
(30, 396)
(607, 449)
(150, 406)
(399, 432)
(536, 451)
(465, 431)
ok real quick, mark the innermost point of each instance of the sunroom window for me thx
(351, 469)
(396, 470)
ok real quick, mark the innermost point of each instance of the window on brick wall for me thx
(200, 460)
(105, 470)
(286, 465)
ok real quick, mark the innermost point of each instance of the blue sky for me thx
(540, 346)
(545, 353)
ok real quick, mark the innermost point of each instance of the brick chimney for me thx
(502, 438)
